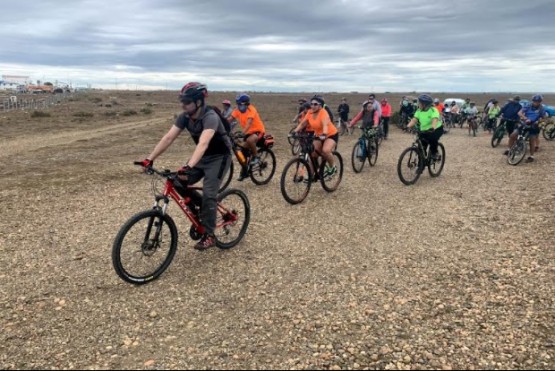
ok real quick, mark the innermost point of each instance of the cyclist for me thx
(326, 137)
(251, 125)
(493, 112)
(439, 106)
(210, 159)
(343, 110)
(407, 112)
(226, 112)
(471, 113)
(369, 115)
(386, 116)
(530, 116)
(301, 103)
(509, 114)
(430, 126)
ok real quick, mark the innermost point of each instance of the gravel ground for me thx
(456, 272)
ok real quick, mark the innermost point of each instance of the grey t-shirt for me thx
(220, 143)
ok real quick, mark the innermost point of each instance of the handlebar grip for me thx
(138, 163)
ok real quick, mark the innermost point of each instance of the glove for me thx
(184, 171)
(147, 163)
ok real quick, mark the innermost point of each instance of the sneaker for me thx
(530, 159)
(330, 171)
(436, 157)
(255, 161)
(506, 153)
(207, 241)
(244, 175)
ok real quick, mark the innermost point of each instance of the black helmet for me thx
(319, 99)
(425, 100)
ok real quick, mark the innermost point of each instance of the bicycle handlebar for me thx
(151, 170)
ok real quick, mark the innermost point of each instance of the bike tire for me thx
(517, 152)
(226, 178)
(372, 152)
(151, 217)
(548, 131)
(264, 171)
(357, 158)
(414, 162)
(497, 137)
(227, 210)
(331, 183)
(302, 176)
(435, 168)
(290, 139)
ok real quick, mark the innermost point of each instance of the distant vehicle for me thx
(550, 110)
(460, 102)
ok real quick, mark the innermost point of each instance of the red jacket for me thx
(386, 110)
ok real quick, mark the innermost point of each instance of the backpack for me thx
(226, 124)
(329, 112)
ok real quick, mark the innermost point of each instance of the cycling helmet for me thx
(243, 99)
(226, 101)
(302, 101)
(516, 98)
(436, 100)
(472, 103)
(425, 99)
(537, 98)
(495, 101)
(319, 99)
(193, 91)
(306, 105)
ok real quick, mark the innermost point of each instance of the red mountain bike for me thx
(146, 244)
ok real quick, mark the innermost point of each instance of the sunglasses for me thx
(314, 104)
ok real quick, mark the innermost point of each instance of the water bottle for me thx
(240, 156)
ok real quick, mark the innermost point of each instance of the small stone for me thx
(150, 363)
(153, 314)
(407, 359)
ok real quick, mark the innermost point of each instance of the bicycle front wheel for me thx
(358, 157)
(331, 177)
(549, 131)
(296, 181)
(144, 247)
(517, 152)
(497, 137)
(263, 172)
(233, 218)
(373, 150)
(410, 166)
(435, 167)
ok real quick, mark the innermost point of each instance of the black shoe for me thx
(243, 176)
(530, 159)
(207, 241)
(506, 153)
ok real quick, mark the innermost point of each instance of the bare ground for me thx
(454, 272)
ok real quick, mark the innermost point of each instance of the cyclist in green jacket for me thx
(429, 123)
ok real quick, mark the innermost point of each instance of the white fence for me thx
(19, 102)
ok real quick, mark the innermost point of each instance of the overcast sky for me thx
(288, 45)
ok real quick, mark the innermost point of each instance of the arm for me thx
(376, 118)
(357, 118)
(249, 124)
(205, 138)
(165, 142)
(325, 124)
(301, 125)
(434, 123)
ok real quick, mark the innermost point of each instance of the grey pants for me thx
(212, 169)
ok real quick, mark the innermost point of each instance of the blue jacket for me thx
(534, 114)
(510, 111)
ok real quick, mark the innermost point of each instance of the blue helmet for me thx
(537, 98)
(243, 99)
(425, 99)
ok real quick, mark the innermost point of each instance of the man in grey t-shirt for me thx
(211, 158)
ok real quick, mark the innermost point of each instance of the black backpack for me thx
(224, 121)
(329, 112)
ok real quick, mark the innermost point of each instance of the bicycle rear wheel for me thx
(358, 157)
(296, 181)
(498, 135)
(517, 152)
(144, 247)
(233, 218)
(410, 166)
(435, 167)
(290, 139)
(263, 172)
(226, 178)
(331, 180)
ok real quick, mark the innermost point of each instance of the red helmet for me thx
(227, 101)
(193, 91)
